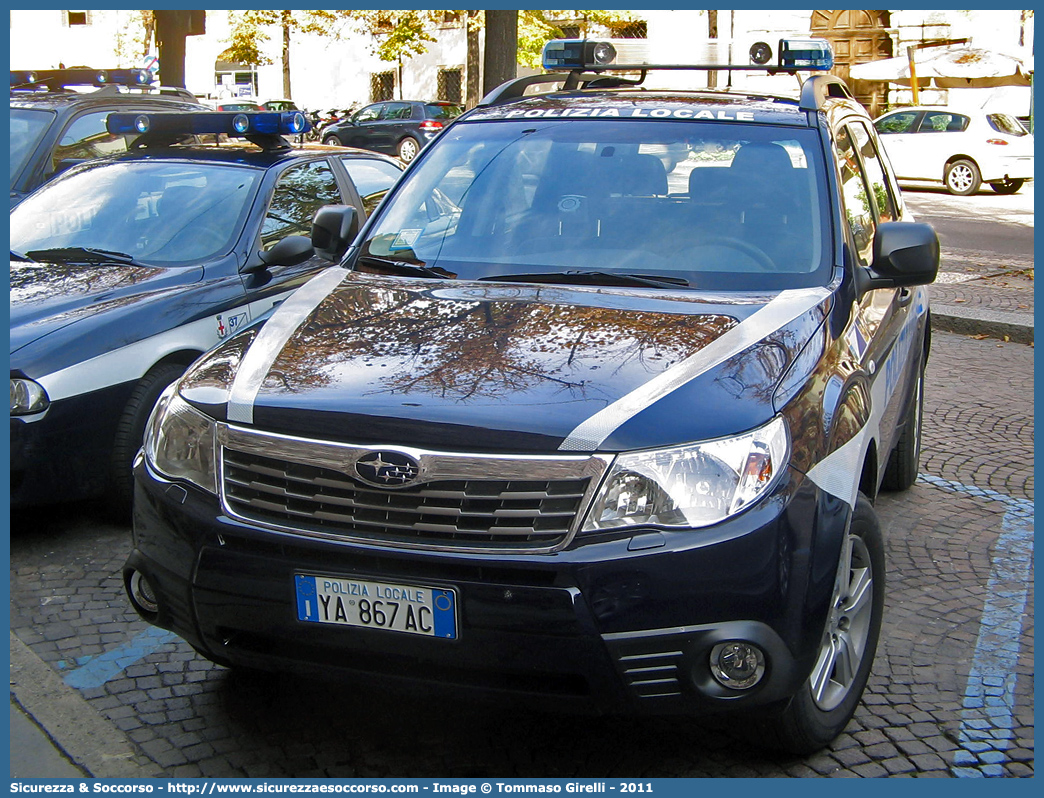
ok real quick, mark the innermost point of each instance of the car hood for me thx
(48, 296)
(496, 367)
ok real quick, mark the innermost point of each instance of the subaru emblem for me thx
(387, 469)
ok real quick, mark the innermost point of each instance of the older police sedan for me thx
(125, 269)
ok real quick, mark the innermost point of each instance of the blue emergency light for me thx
(81, 77)
(565, 55)
(236, 125)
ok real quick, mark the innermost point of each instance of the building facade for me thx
(343, 71)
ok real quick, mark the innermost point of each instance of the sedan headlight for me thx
(180, 441)
(691, 486)
(27, 397)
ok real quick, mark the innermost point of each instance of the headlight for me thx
(27, 397)
(691, 486)
(179, 441)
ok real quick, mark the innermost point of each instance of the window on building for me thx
(450, 82)
(382, 86)
(632, 29)
(76, 18)
(451, 19)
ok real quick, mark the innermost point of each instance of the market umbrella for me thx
(953, 68)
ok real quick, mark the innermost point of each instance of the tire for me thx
(1010, 186)
(962, 177)
(130, 432)
(904, 459)
(332, 140)
(827, 700)
(408, 149)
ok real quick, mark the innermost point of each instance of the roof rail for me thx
(577, 79)
(819, 88)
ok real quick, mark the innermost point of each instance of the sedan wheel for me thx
(962, 178)
(332, 140)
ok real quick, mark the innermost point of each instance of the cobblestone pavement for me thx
(951, 692)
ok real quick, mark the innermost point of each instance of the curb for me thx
(1005, 325)
(73, 726)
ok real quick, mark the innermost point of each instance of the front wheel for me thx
(827, 700)
(408, 149)
(1008, 186)
(130, 432)
(962, 178)
(333, 140)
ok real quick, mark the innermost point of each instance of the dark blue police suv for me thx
(595, 409)
(127, 268)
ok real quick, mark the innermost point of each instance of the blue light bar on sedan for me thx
(81, 77)
(563, 55)
(236, 125)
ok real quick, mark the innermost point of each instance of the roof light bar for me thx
(236, 125)
(597, 55)
(81, 77)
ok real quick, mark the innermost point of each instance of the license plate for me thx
(411, 609)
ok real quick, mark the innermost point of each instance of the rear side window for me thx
(875, 173)
(443, 111)
(943, 122)
(1003, 123)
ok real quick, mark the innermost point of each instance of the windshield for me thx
(711, 205)
(27, 128)
(156, 212)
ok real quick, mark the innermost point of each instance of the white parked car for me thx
(960, 150)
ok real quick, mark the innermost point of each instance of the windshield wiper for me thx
(19, 256)
(402, 267)
(596, 277)
(81, 255)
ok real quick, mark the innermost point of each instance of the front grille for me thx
(454, 507)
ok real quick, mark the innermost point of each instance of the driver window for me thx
(300, 192)
(369, 114)
(87, 137)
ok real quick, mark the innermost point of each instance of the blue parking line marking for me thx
(987, 717)
(100, 669)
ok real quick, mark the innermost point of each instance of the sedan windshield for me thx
(27, 128)
(165, 213)
(708, 205)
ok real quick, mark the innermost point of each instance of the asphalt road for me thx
(985, 222)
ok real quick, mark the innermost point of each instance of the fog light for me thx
(142, 593)
(737, 665)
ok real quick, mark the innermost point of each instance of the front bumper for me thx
(620, 623)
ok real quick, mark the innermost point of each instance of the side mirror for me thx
(333, 230)
(905, 253)
(289, 251)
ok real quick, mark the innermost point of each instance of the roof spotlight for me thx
(760, 53)
(102, 77)
(141, 123)
(241, 123)
(603, 53)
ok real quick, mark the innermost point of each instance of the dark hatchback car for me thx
(54, 126)
(398, 128)
(595, 410)
(127, 268)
